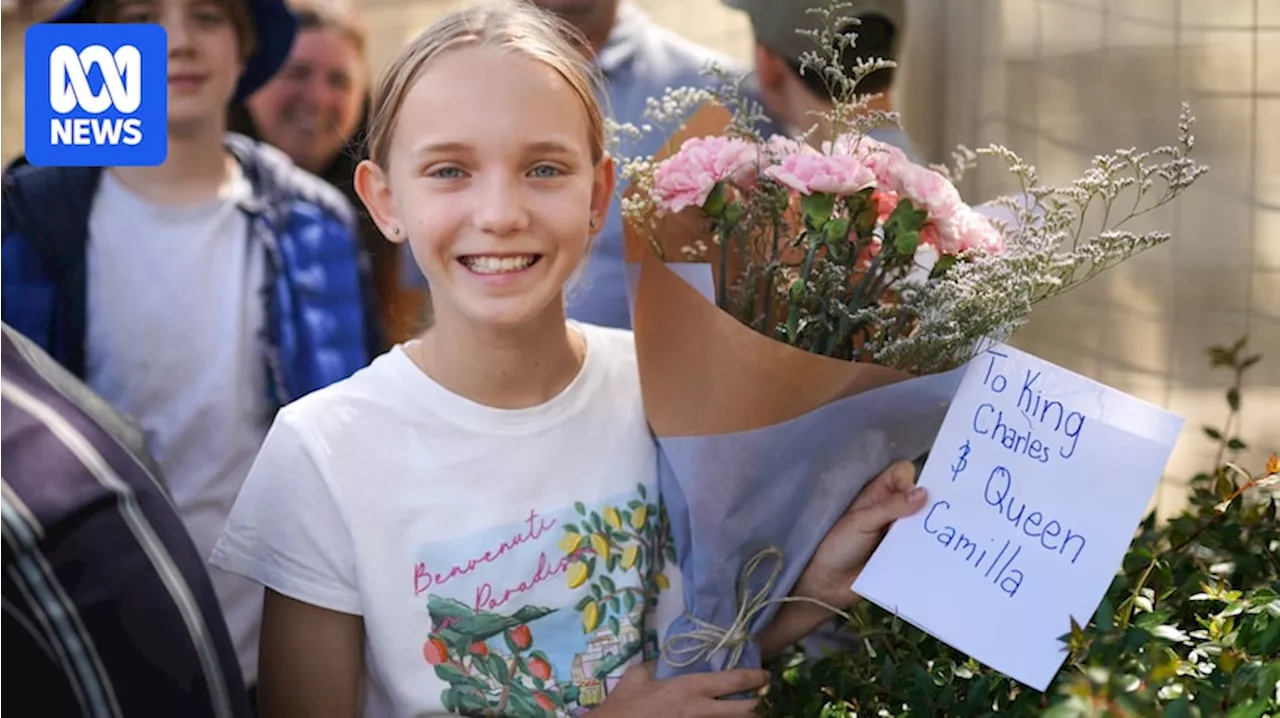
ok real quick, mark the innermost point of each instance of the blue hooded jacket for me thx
(321, 320)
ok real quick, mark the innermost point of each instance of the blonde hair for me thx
(515, 26)
(336, 15)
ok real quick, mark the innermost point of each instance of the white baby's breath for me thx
(1054, 239)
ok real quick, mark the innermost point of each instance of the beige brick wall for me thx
(1060, 80)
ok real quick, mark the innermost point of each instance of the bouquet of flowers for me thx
(847, 289)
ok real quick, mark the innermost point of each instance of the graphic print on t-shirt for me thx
(543, 618)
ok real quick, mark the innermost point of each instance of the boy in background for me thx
(792, 97)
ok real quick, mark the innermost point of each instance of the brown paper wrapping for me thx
(702, 371)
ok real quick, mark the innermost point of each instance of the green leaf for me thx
(1267, 641)
(1252, 709)
(608, 584)
(1134, 639)
(906, 243)
(583, 603)
(522, 704)
(1233, 398)
(1153, 619)
(571, 528)
(716, 200)
(837, 231)
(450, 674)
(817, 208)
(571, 693)
(1236, 445)
(943, 265)
(464, 700)
(497, 668)
(1105, 617)
(466, 626)
(580, 508)
(614, 626)
(629, 599)
(977, 695)
(1213, 433)
(640, 489)
(1180, 708)
(796, 291)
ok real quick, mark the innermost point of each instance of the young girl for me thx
(470, 524)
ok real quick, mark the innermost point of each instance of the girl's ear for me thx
(375, 191)
(602, 192)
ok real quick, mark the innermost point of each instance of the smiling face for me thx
(312, 106)
(493, 182)
(206, 53)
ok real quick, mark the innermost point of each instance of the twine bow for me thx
(707, 639)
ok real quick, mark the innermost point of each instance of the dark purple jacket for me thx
(108, 607)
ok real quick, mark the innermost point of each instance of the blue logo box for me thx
(96, 95)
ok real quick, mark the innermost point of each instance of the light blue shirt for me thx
(640, 60)
(893, 135)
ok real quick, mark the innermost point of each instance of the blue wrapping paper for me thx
(731, 496)
(762, 448)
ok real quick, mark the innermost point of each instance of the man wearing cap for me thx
(792, 97)
(200, 295)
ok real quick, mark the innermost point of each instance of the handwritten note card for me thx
(1036, 483)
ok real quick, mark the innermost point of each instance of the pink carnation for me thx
(930, 236)
(808, 172)
(886, 161)
(931, 192)
(686, 178)
(885, 202)
(778, 147)
(976, 232)
(965, 230)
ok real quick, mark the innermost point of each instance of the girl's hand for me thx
(639, 694)
(840, 557)
(851, 541)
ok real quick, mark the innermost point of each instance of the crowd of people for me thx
(259, 399)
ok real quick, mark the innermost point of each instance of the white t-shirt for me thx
(499, 558)
(173, 340)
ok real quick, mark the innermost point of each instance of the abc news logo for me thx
(96, 94)
(121, 90)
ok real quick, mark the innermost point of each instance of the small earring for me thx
(594, 222)
(395, 231)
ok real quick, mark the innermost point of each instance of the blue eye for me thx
(545, 171)
(446, 173)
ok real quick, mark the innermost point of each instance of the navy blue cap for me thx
(274, 28)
